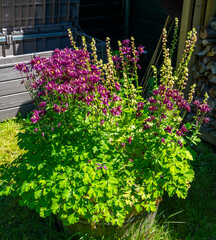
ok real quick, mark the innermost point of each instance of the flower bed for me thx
(96, 149)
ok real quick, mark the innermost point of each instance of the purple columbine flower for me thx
(196, 103)
(105, 167)
(162, 140)
(206, 120)
(35, 118)
(140, 105)
(102, 122)
(43, 134)
(35, 130)
(146, 126)
(169, 106)
(168, 129)
(183, 128)
(163, 116)
(152, 108)
(205, 108)
(179, 132)
(126, 42)
(141, 49)
(156, 92)
(131, 160)
(129, 140)
(180, 143)
(99, 166)
(152, 100)
(104, 110)
(117, 86)
(122, 144)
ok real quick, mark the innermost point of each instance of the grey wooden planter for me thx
(136, 225)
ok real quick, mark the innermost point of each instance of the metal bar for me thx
(27, 14)
(53, 12)
(1, 15)
(210, 10)
(198, 13)
(185, 26)
(2, 39)
(33, 14)
(68, 10)
(59, 9)
(44, 13)
(42, 35)
(13, 11)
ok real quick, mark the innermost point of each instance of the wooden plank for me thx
(11, 87)
(198, 13)
(185, 26)
(12, 60)
(8, 73)
(208, 137)
(149, 25)
(198, 18)
(154, 4)
(15, 100)
(210, 10)
(13, 112)
(149, 13)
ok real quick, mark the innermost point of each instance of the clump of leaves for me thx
(95, 149)
(9, 149)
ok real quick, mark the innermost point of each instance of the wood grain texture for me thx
(13, 112)
(208, 137)
(12, 60)
(14, 100)
(8, 74)
(184, 27)
(11, 87)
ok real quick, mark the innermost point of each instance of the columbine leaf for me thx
(64, 183)
(38, 194)
(55, 207)
(86, 179)
(66, 194)
(72, 218)
(82, 211)
(95, 149)
(92, 193)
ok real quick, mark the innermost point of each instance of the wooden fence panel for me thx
(15, 100)
(12, 112)
(11, 87)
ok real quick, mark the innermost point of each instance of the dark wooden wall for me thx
(13, 95)
(98, 18)
(102, 18)
(146, 24)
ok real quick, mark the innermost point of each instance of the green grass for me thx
(8, 144)
(198, 209)
(178, 219)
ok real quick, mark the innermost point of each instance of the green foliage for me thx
(8, 144)
(82, 163)
(194, 222)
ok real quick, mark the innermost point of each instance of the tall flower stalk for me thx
(96, 149)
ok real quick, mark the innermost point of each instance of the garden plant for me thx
(95, 149)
